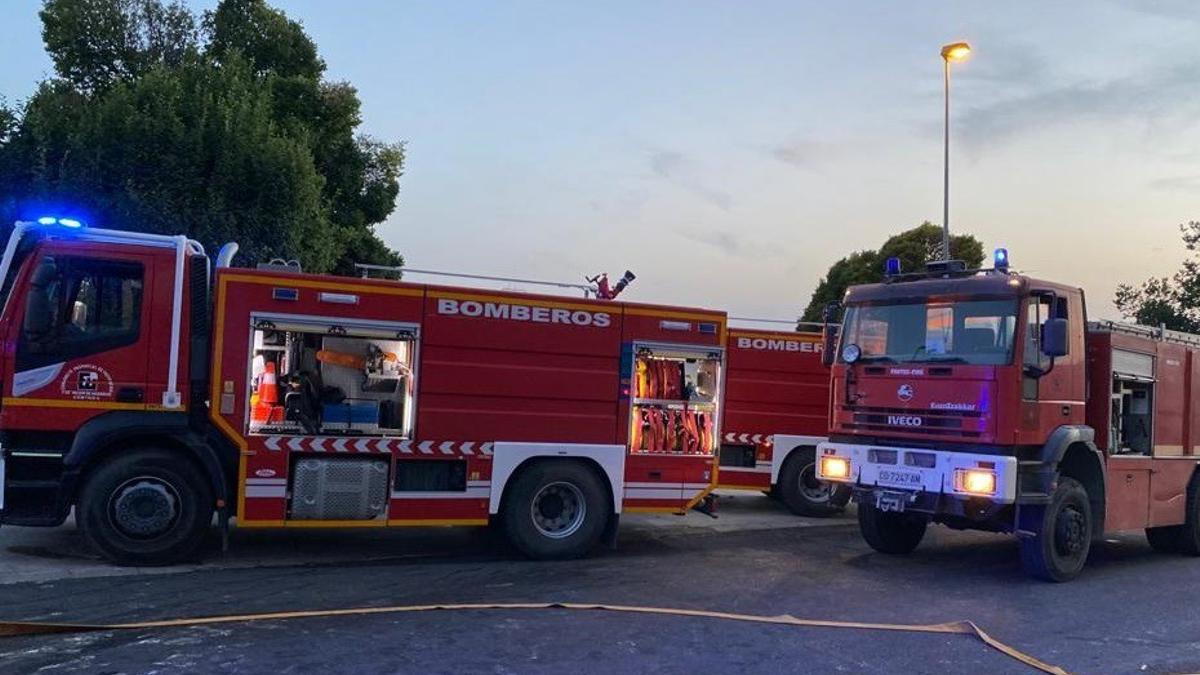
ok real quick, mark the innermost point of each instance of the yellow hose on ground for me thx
(14, 628)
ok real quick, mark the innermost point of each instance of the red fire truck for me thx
(985, 400)
(776, 412)
(147, 392)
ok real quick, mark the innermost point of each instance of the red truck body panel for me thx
(775, 385)
(1145, 490)
(560, 375)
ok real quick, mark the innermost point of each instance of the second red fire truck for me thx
(148, 390)
(986, 400)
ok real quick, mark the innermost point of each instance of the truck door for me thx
(79, 327)
(1052, 392)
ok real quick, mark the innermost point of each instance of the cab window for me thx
(79, 306)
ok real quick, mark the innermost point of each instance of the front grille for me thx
(917, 421)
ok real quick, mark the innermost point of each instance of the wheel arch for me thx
(105, 435)
(586, 462)
(792, 443)
(509, 459)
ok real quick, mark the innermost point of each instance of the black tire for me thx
(1062, 533)
(888, 532)
(801, 492)
(145, 506)
(542, 510)
(1189, 533)
(1164, 539)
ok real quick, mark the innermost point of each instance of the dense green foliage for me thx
(913, 247)
(223, 128)
(1171, 301)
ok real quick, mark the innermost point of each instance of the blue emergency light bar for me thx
(1000, 259)
(892, 267)
(54, 220)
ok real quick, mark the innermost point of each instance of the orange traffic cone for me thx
(264, 408)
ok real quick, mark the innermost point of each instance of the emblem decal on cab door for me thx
(905, 392)
(87, 382)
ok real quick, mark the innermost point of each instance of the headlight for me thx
(975, 481)
(835, 468)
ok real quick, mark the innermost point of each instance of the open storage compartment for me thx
(675, 409)
(313, 376)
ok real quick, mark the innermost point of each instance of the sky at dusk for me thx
(729, 152)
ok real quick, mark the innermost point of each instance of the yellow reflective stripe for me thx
(85, 405)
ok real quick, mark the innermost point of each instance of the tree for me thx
(225, 133)
(1171, 301)
(913, 247)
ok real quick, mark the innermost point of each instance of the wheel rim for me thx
(1070, 532)
(812, 489)
(558, 510)
(144, 507)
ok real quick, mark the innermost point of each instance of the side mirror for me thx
(830, 331)
(1055, 340)
(829, 344)
(39, 309)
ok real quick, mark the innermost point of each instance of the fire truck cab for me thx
(147, 391)
(985, 400)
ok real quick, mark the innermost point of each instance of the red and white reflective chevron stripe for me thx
(342, 444)
(757, 439)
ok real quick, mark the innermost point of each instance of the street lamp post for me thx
(956, 51)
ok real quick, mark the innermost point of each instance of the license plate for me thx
(901, 478)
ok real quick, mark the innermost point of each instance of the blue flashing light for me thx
(1000, 257)
(892, 267)
(65, 222)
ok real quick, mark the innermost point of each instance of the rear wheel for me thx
(1164, 539)
(145, 506)
(1062, 533)
(804, 495)
(888, 532)
(555, 510)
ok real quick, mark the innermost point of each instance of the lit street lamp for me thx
(956, 51)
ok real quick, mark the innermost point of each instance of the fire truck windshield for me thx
(977, 332)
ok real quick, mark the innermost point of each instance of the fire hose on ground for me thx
(28, 628)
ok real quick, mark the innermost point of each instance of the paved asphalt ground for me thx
(1132, 611)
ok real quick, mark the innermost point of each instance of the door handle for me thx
(131, 395)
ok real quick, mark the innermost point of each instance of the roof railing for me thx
(1159, 333)
(365, 270)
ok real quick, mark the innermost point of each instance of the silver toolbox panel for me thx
(339, 488)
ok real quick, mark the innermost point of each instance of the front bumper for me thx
(918, 471)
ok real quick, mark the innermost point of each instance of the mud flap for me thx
(609, 537)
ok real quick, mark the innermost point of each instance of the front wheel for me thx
(1062, 533)
(804, 495)
(145, 506)
(555, 510)
(889, 532)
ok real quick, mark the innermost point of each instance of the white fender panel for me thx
(783, 445)
(507, 456)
